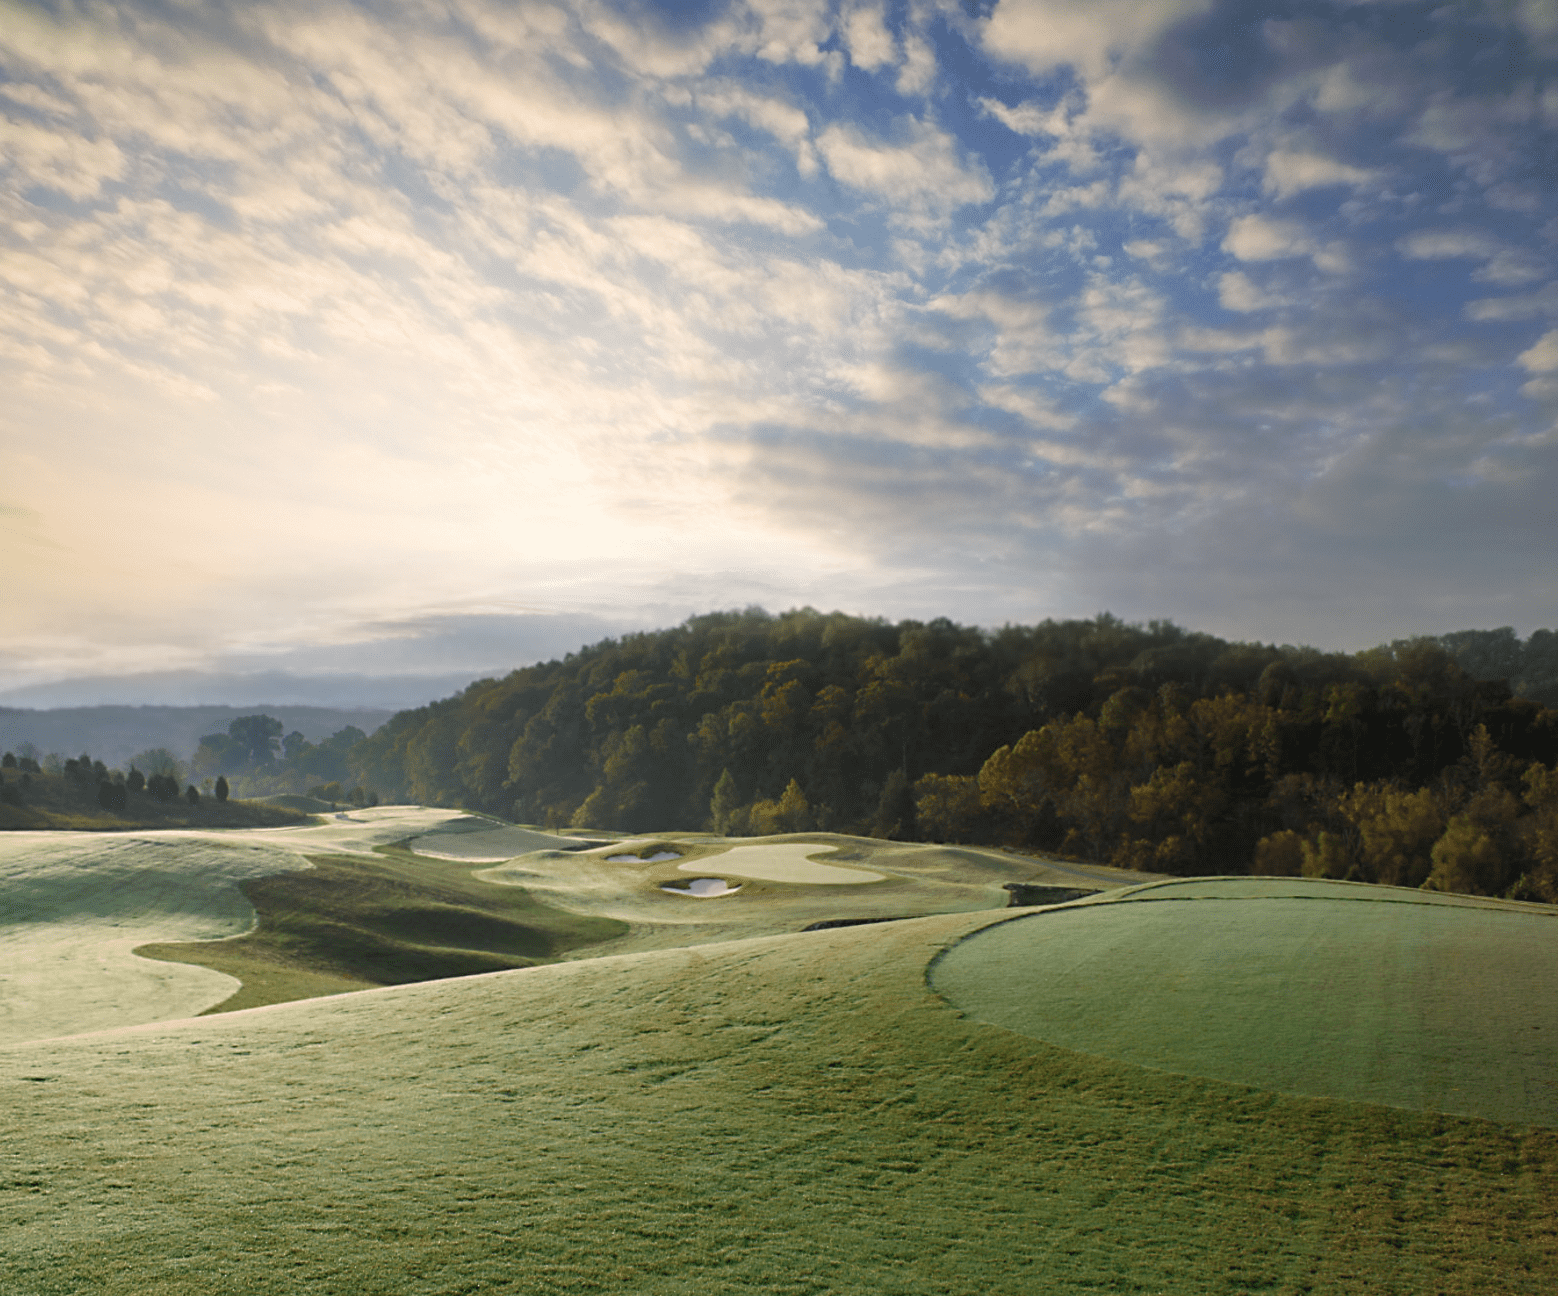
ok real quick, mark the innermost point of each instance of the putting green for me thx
(1312, 988)
(483, 842)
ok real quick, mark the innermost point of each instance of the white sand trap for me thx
(786, 862)
(702, 888)
(659, 857)
(492, 845)
(74, 904)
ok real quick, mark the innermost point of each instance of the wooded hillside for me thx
(1150, 746)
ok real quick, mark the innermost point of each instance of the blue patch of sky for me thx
(553, 169)
(406, 176)
(53, 200)
(190, 189)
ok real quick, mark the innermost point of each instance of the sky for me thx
(395, 339)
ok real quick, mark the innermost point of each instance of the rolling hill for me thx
(1118, 1094)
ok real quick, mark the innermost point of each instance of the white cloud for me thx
(1501, 264)
(1236, 291)
(1262, 238)
(867, 39)
(1088, 34)
(1288, 173)
(1544, 301)
(918, 73)
(1543, 357)
(926, 175)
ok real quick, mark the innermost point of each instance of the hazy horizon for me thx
(386, 341)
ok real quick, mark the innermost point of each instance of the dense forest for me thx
(1143, 745)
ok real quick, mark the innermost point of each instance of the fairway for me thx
(1417, 1000)
(73, 907)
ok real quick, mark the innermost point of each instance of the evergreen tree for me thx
(895, 809)
(724, 803)
(221, 787)
(192, 795)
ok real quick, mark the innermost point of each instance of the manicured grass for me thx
(1419, 1000)
(486, 841)
(354, 921)
(796, 1114)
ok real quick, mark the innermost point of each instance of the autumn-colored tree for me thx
(947, 807)
(794, 810)
(1396, 830)
(1279, 855)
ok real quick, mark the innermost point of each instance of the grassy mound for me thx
(789, 1115)
(352, 921)
(1434, 1003)
(296, 801)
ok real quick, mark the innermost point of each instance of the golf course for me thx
(408, 1050)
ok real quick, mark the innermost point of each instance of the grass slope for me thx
(1415, 999)
(351, 921)
(788, 1115)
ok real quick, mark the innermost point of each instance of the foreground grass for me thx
(351, 922)
(794, 1114)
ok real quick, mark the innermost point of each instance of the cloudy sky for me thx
(440, 335)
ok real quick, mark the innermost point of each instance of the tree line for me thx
(1148, 746)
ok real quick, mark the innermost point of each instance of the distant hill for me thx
(187, 688)
(112, 734)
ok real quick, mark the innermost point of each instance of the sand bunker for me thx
(659, 857)
(788, 862)
(702, 888)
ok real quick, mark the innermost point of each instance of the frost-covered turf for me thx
(74, 905)
(1424, 1001)
(786, 1115)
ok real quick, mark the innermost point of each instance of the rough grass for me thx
(353, 921)
(788, 1115)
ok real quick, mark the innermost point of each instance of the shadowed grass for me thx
(353, 922)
